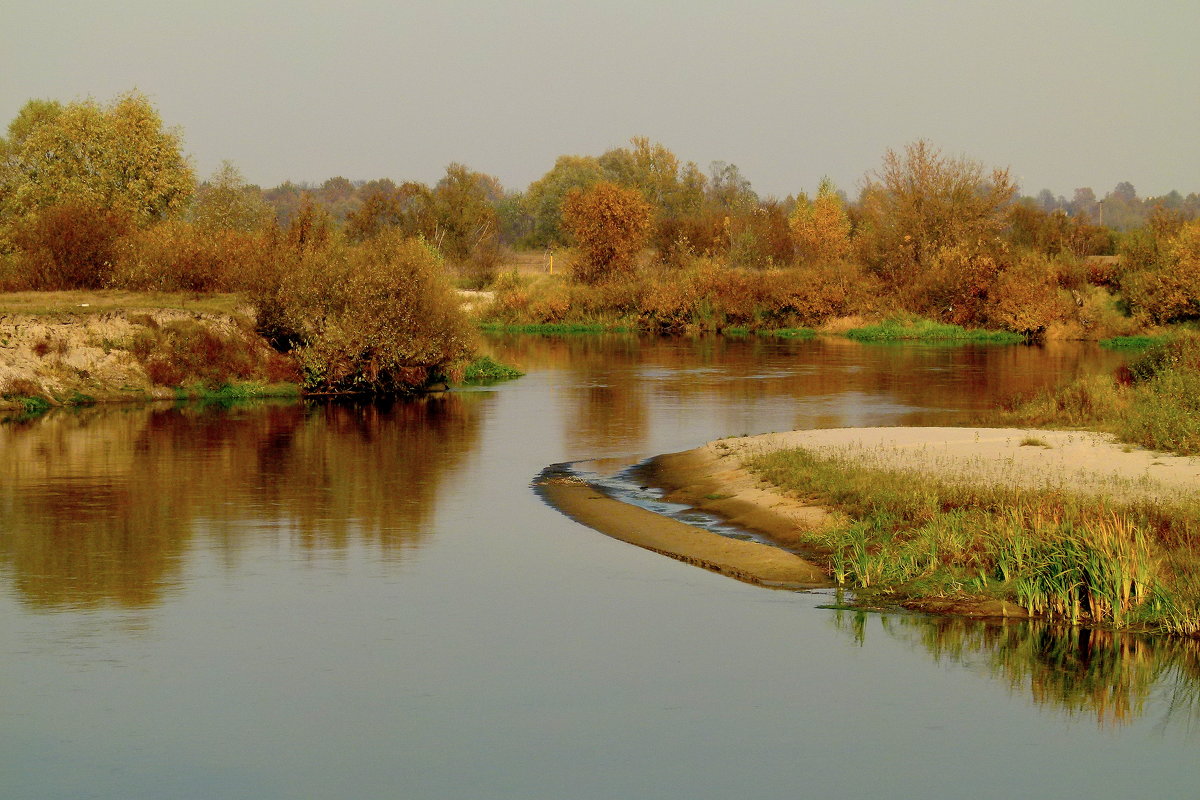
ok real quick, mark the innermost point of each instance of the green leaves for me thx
(117, 157)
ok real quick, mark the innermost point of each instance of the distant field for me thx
(531, 262)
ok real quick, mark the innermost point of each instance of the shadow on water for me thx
(1078, 671)
(101, 505)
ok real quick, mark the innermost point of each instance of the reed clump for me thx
(1077, 558)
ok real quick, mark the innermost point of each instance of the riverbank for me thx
(989, 516)
(747, 561)
(73, 349)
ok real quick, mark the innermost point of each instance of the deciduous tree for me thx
(116, 156)
(821, 227)
(920, 202)
(610, 224)
(226, 202)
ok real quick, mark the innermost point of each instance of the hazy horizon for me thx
(1066, 95)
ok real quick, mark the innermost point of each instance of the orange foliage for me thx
(178, 256)
(821, 227)
(611, 225)
(69, 245)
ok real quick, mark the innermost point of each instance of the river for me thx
(353, 600)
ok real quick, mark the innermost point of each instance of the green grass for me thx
(791, 333)
(1132, 342)
(897, 329)
(1156, 404)
(485, 370)
(1075, 558)
(235, 392)
(553, 327)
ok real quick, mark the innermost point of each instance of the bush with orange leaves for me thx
(178, 256)
(610, 224)
(1166, 286)
(1025, 297)
(68, 245)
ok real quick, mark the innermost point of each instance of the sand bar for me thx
(747, 561)
(714, 477)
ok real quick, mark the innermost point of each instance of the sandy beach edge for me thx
(714, 478)
(751, 562)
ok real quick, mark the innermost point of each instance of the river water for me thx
(351, 600)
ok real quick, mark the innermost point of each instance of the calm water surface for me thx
(367, 600)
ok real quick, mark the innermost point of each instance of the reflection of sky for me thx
(516, 654)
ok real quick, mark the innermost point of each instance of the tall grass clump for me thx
(1075, 558)
(1165, 408)
(485, 370)
(906, 328)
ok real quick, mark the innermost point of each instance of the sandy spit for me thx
(747, 561)
(714, 477)
(1080, 462)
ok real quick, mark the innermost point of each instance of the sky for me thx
(1065, 94)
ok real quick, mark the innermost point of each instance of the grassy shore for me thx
(1078, 558)
(903, 329)
(1153, 403)
(1106, 559)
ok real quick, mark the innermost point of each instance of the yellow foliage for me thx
(1169, 289)
(116, 157)
(821, 228)
(372, 316)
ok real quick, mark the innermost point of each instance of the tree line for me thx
(95, 195)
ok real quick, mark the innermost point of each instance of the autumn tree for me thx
(727, 190)
(921, 202)
(610, 224)
(466, 227)
(226, 202)
(544, 198)
(407, 208)
(1162, 279)
(821, 227)
(117, 157)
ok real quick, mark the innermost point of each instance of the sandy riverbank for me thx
(714, 477)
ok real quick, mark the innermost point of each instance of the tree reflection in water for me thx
(1076, 670)
(100, 506)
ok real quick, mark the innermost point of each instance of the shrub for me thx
(188, 353)
(1162, 276)
(955, 285)
(610, 225)
(178, 256)
(1025, 298)
(69, 245)
(378, 316)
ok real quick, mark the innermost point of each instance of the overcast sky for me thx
(1066, 94)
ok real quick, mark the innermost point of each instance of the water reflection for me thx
(617, 381)
(100, 506)
(1105, 674)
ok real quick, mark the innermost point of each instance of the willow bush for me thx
(376, 316)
